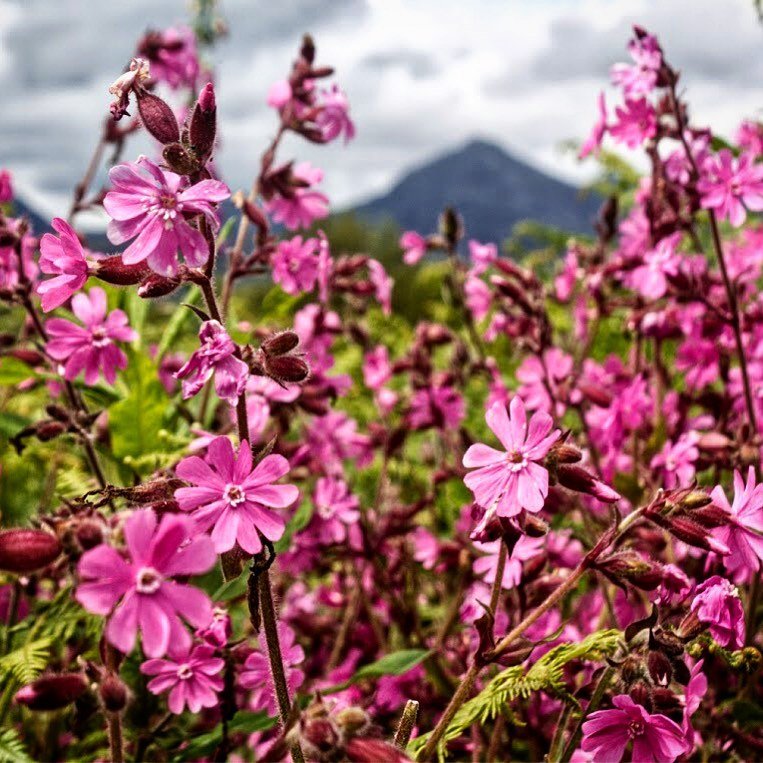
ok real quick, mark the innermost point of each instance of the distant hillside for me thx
(491, 189)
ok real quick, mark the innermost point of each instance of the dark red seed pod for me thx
(89, 534)
(30, 357)
(154, 286)
(52, 692)
(280, 344)
(158, 118)
(114, 271)
(203, 126)
(660, 668)
(113, 693)
(49, 430)
(25, 550)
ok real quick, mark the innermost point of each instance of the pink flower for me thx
(333, 438)
(676, 460)
(336, 508)
(172, 55)
(147, 600)
(190, 677)
(674, 588)
(133, 79)
(233, 496)
(538, 377)
(478, 296)
(6, 187)
(438, 405)
(258, 677)
(153, 206)
(693, 694)
(482, 256)
(295, 265)
(525, 548)
(716, 603)
(260, 393)
(376, 368)
(636, 122)
(382, 284)
(279, 94)
(305, 203)
(333, 117)
(513, 479)
(640, 78)
(699, 358)
(216, 356)
(744, 533)
(731, 186)
(63, 258)
(592, 144)
(607, 733)
(91, 347)
(414, 246)
(564, 283)
(750, 137)
(651, 278)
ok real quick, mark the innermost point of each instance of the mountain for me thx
(490, 188)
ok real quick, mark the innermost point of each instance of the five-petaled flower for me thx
(64, 258)
(91, 347)
(156, 207)
(655, 737)
(232, 497)
(514, 479)
(216, 356)
(731, 185)
(191, 677)
(146, 598)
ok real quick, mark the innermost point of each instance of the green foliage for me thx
(25, 663)
(12, 749)
(546, 674)
(393, 664)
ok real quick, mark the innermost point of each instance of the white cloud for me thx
(422, 76)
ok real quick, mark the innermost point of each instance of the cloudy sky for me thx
(422, 76)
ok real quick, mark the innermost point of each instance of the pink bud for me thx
(158, 118)
(52, 692)
(27, 550)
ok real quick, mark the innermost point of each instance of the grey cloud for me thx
(417, 63)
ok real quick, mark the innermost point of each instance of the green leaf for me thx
(13, 371)
(204, 745)
(27, 662)
(393, 664)
(137, 310)
(12, 749)
(11, 423)
(177, 321)
(232, 589)
(299, 521)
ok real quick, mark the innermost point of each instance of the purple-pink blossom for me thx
(257, 676)
(744, 533)
(414, 247)
(607, 733)
(382, 284)
(295, 264)
(191, 677)
(716, 603)
(137, 594)
(636, 122)
(215, 357)
(155, 207)
(377, 370)
(64, 258)
(731, 186)
(525, 548)
(233, 497)
(336, 508)
(92, 347)
(513, 479)
(592, 143)
(640, 77)
(650, 279)
(304, 205)
(172, 55)
(437, 405)
(333, 118)
(677, 460)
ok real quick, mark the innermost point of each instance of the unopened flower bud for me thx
(179, 160)
(89, 534)
(695, 535)
(25, 550)
(534, 526)
(154, 286)
(203, 126)
(252, 211)
(450, 226)
(711, 516)
(578, 479)
(641, 695)
(713, 441)
(113, 693)
(158, 118)
(566, 454)
(351, 720)
(628, 566)
(49, 430)
(287, 368)
(321, 735)
(369, 750)
(595, 394)
(664, 700)
(696, 499)
(114, 271)
(52, 692)
(280, 344)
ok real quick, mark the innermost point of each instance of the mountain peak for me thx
(492, 189)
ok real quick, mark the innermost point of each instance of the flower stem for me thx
(407, 722)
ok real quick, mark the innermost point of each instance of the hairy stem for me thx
(407, 722)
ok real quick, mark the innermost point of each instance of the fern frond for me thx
(27, 662)
(12, 748)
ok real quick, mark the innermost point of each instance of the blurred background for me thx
(468, 103)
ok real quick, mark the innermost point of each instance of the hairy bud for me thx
(660, 668)
(114, 271)
(280, 344)
(52, 692)
(203, 126)
(154, 286)
(628, 566)
(26, 550)
(158, 118)
(287, 368)
(179, 160)
(578, 479)
(113, 693)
